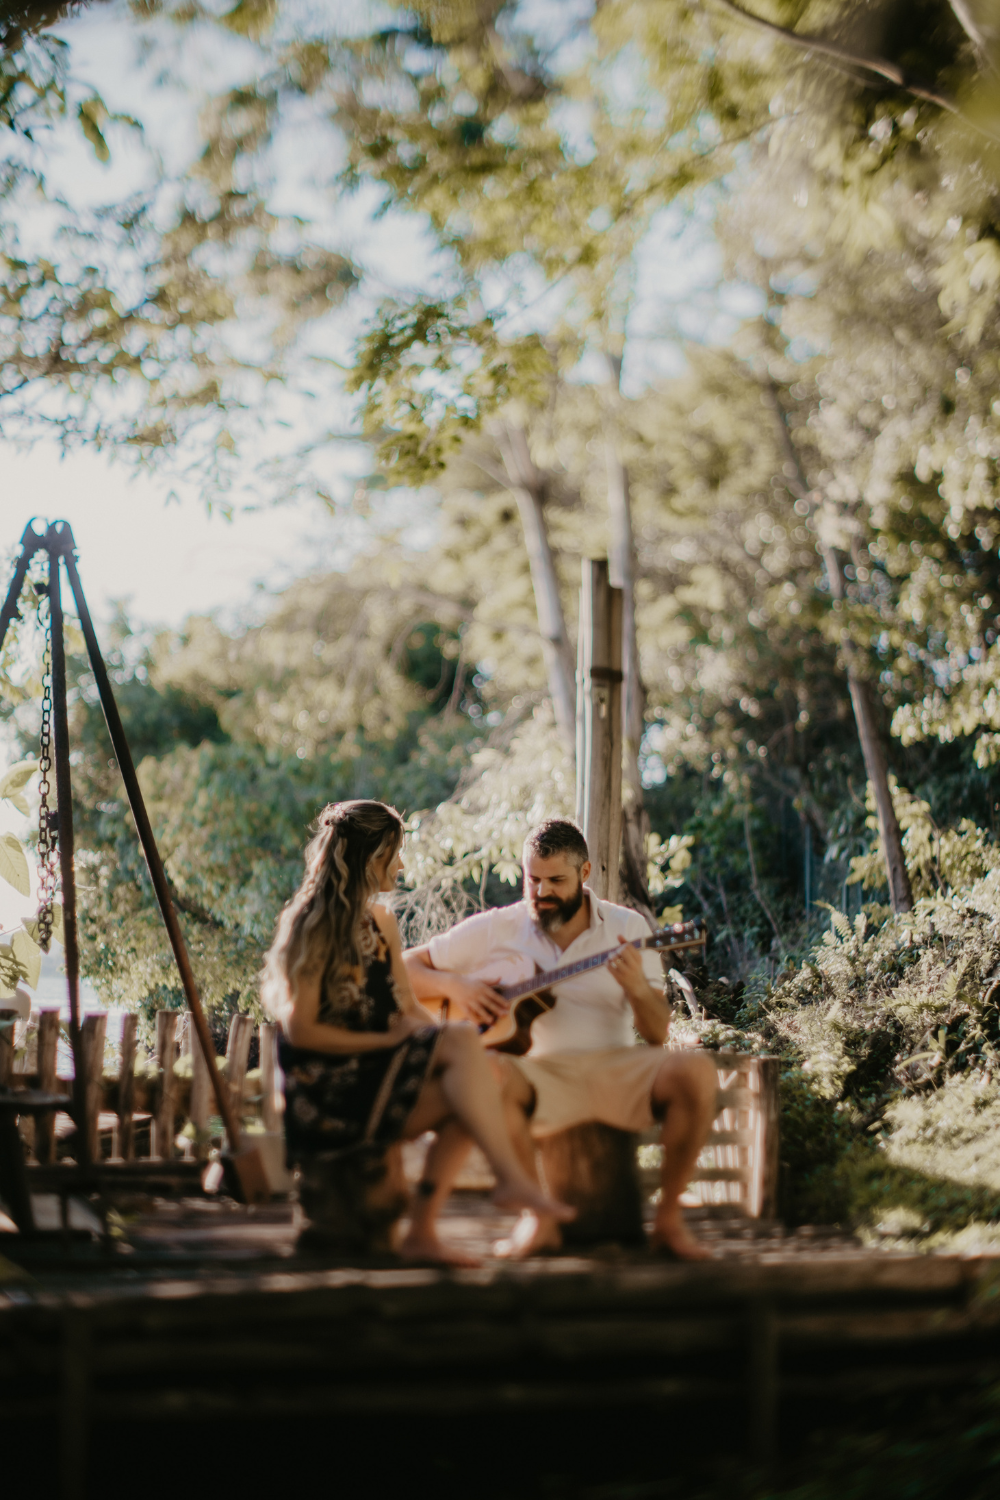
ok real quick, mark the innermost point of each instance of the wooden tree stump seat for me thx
(592, 1167)
(354, 1202)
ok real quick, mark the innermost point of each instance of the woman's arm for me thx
(408, 1003)
(304, 1029)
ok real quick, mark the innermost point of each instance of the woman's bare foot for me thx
(532, 1235)
(428, 1249)
(523, 1193)
(670, 1233)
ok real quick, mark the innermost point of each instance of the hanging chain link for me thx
(47, 836)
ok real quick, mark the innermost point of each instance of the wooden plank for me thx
(237, 1056)
(721, 1174)
(48, 1047)
(166, 1104)
(92, 1033)
(126, 1089)
(731, 1138)
(269, 1112)
(762, 1383)
(735, 1098)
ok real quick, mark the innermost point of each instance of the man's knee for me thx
(515, 1090)
(689, 1075)
(701, 1069)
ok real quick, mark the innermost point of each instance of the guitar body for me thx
(512, 1033)
(531, 998)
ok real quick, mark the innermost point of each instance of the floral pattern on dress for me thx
(335, 1102)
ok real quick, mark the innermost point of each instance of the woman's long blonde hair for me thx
(321, 925)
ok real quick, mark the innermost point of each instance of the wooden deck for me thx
(198, 1325)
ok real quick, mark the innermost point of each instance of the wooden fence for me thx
(159, 1107)
(162, 1109)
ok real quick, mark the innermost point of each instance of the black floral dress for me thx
(337, 1102)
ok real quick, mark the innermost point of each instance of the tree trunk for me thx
(621, 560)
(900, 894)
(872, 748)
(528, 488)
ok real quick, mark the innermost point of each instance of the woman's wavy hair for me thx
(320, 927)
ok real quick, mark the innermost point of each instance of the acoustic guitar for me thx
(531, 998)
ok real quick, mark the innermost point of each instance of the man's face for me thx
(553, 889)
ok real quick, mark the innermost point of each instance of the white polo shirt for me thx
(504, 945)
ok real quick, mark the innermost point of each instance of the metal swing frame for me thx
(245, 1176)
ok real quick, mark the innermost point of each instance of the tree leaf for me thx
(89, 113)
(28, 955)
(17, 777)
(14, 864)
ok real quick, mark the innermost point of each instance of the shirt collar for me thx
(596, 915)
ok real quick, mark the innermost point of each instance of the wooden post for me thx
(199, 1108)
(599, 726)
(237, 1056)
(268, 1073)
(8, 1022)
(48, 1046)
(767, 1147)
(92, 1034)
(166, 1104)
(126, 1090)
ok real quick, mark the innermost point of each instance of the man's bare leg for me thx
(685, 1091)
(533, 1232)
(448, 1150)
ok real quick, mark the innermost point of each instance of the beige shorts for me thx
(613, 1085)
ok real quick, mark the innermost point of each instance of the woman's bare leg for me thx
(448, 1151)
(466, 1088)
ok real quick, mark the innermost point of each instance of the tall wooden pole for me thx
(64, 812)
(154, 864)
(599, 726)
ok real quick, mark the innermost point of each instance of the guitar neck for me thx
(512, 992)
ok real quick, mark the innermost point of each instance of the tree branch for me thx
(843, 57)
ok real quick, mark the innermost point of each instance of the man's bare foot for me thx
(531, 1236)
(671, 1234)
(523, 1193)
(428, 1249)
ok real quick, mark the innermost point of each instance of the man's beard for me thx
(551, 917)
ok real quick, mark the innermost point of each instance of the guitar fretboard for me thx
(661, 942)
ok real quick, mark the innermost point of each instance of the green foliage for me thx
(890, 1113)
(20, 956)
(231, 787)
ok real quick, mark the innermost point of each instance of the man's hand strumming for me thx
(476, 999)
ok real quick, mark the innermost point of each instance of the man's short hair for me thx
(558, 836)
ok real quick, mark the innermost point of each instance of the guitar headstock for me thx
(679, 935)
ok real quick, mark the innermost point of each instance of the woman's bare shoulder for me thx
(385, 920)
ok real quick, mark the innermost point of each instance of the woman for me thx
(364, 1064)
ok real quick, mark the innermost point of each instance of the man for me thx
(583, 1063)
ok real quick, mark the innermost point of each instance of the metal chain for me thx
(47, 834)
